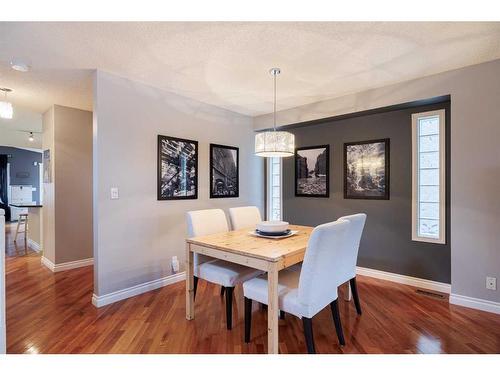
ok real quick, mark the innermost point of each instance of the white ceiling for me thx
(15, 132)
(226, 64)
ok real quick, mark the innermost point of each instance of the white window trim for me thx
(442, 177)
(270, 188)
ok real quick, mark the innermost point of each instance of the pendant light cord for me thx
(275, 101)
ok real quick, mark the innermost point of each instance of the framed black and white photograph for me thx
(47, 167)
(312, 171)
(177, 168)
(366, 169)
(224, 171)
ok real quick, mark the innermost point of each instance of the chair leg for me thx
(355, 295)
(195, 286)
(26, 235)
(17, 229)
(336, 320)
(229, 307)
(248, 318)
(222, 290)
(308, 333)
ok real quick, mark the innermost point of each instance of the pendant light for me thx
(274, 143)
(6, 110)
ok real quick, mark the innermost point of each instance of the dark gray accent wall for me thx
(22, 170)
(386, 244)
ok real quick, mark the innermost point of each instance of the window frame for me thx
(269, 203)
(441, 113)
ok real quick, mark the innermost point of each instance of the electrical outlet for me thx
(491, 283)
(175, 264)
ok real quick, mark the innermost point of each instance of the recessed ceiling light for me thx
(20, 65)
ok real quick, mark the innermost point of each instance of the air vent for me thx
(431, 294)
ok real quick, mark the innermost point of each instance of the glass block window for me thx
(274, 203)
(428, 192)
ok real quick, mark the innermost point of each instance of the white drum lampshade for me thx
(274, 144)
(6, 110)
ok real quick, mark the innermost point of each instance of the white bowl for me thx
(272, 226)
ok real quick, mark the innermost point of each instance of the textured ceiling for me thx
(226, 64)
(15, 132)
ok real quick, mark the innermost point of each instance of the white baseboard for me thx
(106, 299)
(34, 245)
(47, 263)
(67, 265)
(475, 303)
(407, 280)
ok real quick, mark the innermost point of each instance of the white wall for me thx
(136, 236)
(475, 163)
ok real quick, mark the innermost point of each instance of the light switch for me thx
(114, 193)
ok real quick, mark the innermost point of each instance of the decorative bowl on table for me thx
(272, 227)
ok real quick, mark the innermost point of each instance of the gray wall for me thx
(475, 162)
(386, 244)
(72, 155)
(22, 162)
(136, 235)
(67, 212)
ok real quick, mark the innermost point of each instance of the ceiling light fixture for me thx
(31, 138)
(20, 65)
(6, 110)
(274, 143)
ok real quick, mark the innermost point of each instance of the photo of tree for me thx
(366, 169)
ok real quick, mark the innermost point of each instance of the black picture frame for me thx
(298, 191)
(387, 185)
(224, 184)
(162, 192)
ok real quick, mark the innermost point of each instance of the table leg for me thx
(272, 309)
(348, 293)
(189, 283)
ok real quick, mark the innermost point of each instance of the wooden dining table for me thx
(241, 247)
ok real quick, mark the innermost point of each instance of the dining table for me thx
(244, 247)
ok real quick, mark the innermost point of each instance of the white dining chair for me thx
(352, 244)
(225, 274)
(244, 217)
(306, 291)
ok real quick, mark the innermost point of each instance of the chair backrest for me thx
(244, 217)
(318, 277)
(203, 223)
(348, 265)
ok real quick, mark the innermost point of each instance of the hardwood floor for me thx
(52, 313)
(15, 248)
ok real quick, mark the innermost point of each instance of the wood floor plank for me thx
(52, 313)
